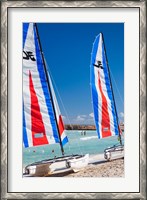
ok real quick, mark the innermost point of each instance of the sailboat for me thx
(104, 106)
(42, 120)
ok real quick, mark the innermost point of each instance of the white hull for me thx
(45, 168)
(114, 152)
(77, 164)
(39, 170)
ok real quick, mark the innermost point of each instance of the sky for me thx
(67, 50)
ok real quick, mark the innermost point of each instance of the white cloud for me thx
(91, 115)
(81, 117)
(84, 119)
(121, 114)
(63, 117)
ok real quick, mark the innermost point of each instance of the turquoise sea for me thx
(78, 144)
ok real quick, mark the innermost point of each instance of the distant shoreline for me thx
(85, 127)
(79, 127)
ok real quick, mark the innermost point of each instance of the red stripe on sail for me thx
(38, 130)
(60, 125)
(105, 124)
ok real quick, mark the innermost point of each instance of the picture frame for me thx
(6, 110)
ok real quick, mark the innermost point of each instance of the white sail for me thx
(102, 97)
(39, 116)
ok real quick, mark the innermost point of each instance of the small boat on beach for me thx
(104, 106)
(42, 120)
(78, 164)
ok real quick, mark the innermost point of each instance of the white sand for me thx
(114, 168)
(97, 167)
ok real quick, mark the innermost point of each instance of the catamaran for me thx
(105, 112)
(42, 120)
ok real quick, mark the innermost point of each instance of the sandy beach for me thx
(114, 168)
(97, 167)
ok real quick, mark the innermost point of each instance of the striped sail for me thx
(102, 97)
(39, 116)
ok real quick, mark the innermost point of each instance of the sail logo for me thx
(99, 64)
(28, 55)
(38, 135)
(40, 119)
(105, 129)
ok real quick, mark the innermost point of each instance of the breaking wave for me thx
(88, 138)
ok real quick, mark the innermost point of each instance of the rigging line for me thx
(117, 88)
(49, 89)
(65, 113)
(60, 97)
(108, 68)
(62, 106)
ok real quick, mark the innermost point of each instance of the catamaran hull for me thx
(77, 164)
(114, 152)
(39, 170)
(47, 167)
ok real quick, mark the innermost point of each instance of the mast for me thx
(112, 92)
(49, 88)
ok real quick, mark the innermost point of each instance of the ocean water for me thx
(78, 144)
